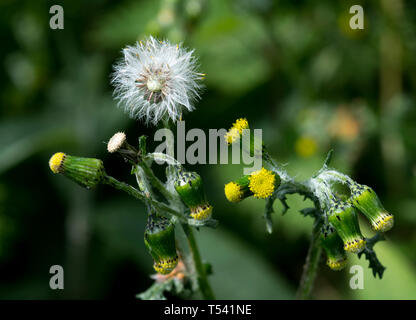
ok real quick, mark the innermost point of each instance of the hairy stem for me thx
(201, 274)
(310, 268)
(155, 181)
(139, 195)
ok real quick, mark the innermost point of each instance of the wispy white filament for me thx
(156, 78)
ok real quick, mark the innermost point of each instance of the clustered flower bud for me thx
(261, 184)
(191, 190)
(334, 248)
(87, 172)
(159, 238)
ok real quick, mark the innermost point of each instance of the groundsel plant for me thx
(335, 213)
(156, 81)
(156, 78)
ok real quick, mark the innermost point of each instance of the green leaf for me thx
(375, 265)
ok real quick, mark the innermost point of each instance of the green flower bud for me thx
(344, 219)
(334, 248)
(191, 190)
(159, 238)
(88, 172)
(365, 199)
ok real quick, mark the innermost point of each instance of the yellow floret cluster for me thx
(236, 130)
(262, 183)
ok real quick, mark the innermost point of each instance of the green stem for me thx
(155, 181)
(310, 268)
(201, 274)
(139, 195)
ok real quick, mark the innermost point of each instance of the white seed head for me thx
(116, 141)
(156, 78)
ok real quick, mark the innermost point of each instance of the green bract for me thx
(159, 238)
(366, 200)
(87, 172)
(344, 219)
(334, 248)
(191, 190)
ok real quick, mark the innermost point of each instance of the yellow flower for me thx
(202, 212)
(55, 162)
(236, 130)
(262, 183)
(337, 264)
(165, 266)
(233, 192)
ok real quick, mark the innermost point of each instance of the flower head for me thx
(156, 78)
(178, 273)
(55, 162)
(236, 130)
(233, 192)
(262, 183)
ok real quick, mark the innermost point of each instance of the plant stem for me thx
(310, 268)
(155, 181)
(201, 274)
(139, 195)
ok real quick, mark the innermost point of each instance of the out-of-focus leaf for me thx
(239, 272)
(120, 228)
(20, 141)
(229, 47)
(124, 24)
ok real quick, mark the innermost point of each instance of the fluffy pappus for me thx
(156, 79)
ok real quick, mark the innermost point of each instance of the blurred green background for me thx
(293, 68)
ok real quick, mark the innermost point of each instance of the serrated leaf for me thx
(374, 264)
